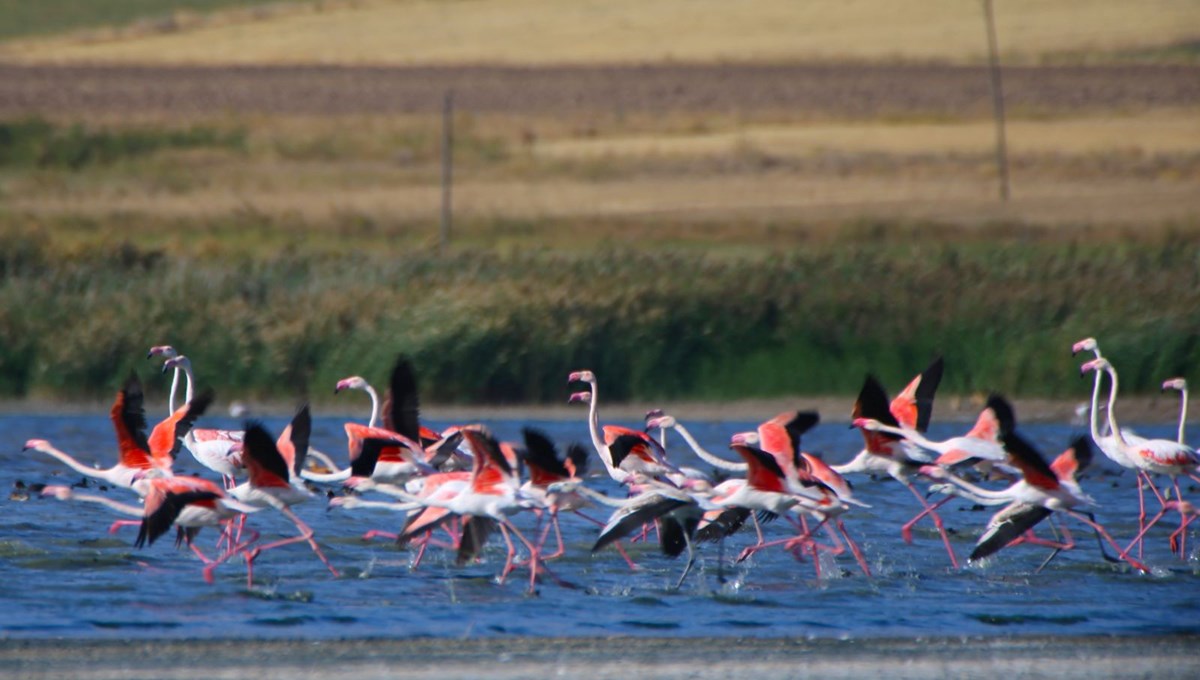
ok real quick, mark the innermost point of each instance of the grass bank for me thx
(791, 311)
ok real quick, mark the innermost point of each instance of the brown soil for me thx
(844, 91)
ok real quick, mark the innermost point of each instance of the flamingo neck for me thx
(72, 462)
(594, 429)
(1095, 416)
(174, 388)
(706, 456)
(1183, 404)
(978, 493)
(1112, 398)
(123, 508)
(190, 392)
(374, 406)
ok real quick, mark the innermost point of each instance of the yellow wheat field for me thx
(588, 31)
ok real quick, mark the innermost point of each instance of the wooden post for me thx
(997, 100)
(447, 168)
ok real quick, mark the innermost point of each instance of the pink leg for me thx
(306, 535)
(379, 533)
(937, 521)
(112, 528)
(1123, 554)
(858, 556)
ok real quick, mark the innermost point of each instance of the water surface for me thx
(62, 575)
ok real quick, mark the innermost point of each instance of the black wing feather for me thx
(926, 389)
(1007, 531)
(541, 453)
(260, 445)
(159, 522)
(635, 520)
(133, 411)
(403, 412)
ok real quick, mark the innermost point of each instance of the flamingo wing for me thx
(541, 457)
(292, 444)
(162, 509)
(401, 402)
(1033, 466)
(1074, 460)
(475, 533)
(1008, 525)
(763, 471)
(626, 520)
(167, 436)
(128, 416)
(263, 461)
(913, 407)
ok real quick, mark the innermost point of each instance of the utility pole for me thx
(447, 168)
(997, 100)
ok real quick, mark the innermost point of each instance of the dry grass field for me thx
(634, 31)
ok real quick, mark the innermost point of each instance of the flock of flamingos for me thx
(459, 486)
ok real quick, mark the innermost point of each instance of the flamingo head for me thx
(62, 493)
(176, 361)
(934, 471)
(582, 376)
(162, 351)
(1086, 345)
(348, 502)
(947, 489)
(869, 424)
(584, 397)
(36, 444)
(1099, 364)
(1175, 384)
(354, 382)
(661, 420)
(564, 487)
(744, 439)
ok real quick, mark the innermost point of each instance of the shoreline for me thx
(1158, 409)
(1161, 656)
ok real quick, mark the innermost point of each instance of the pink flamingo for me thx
(492, 493)
(888, 453)
(1041, 492)
(187, 503)
(625, 452)
(139, 456)
(274, 481)
(1151, 456)
(215, 449)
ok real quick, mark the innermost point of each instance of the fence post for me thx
(447, 168)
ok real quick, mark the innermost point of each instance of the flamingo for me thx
(625, 452)
(409, 457)
(213, 448)
(1150, 456)
(545, 468)
(675, 512)
(1181, 385)
(274, 481)
(139, 456)
(891, 454)
(493, 493)
(980, 445)
(1041, 492)
(184, 502)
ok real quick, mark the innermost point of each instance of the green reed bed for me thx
(483, 327)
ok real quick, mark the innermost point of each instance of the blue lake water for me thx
(61, 574)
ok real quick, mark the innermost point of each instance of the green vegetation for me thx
(812, 317)
(37, 143)
(23, 18)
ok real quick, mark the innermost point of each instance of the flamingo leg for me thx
(306, 536)
(1100, 531)
(858, 555)
(937, 522)
(112, 528)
